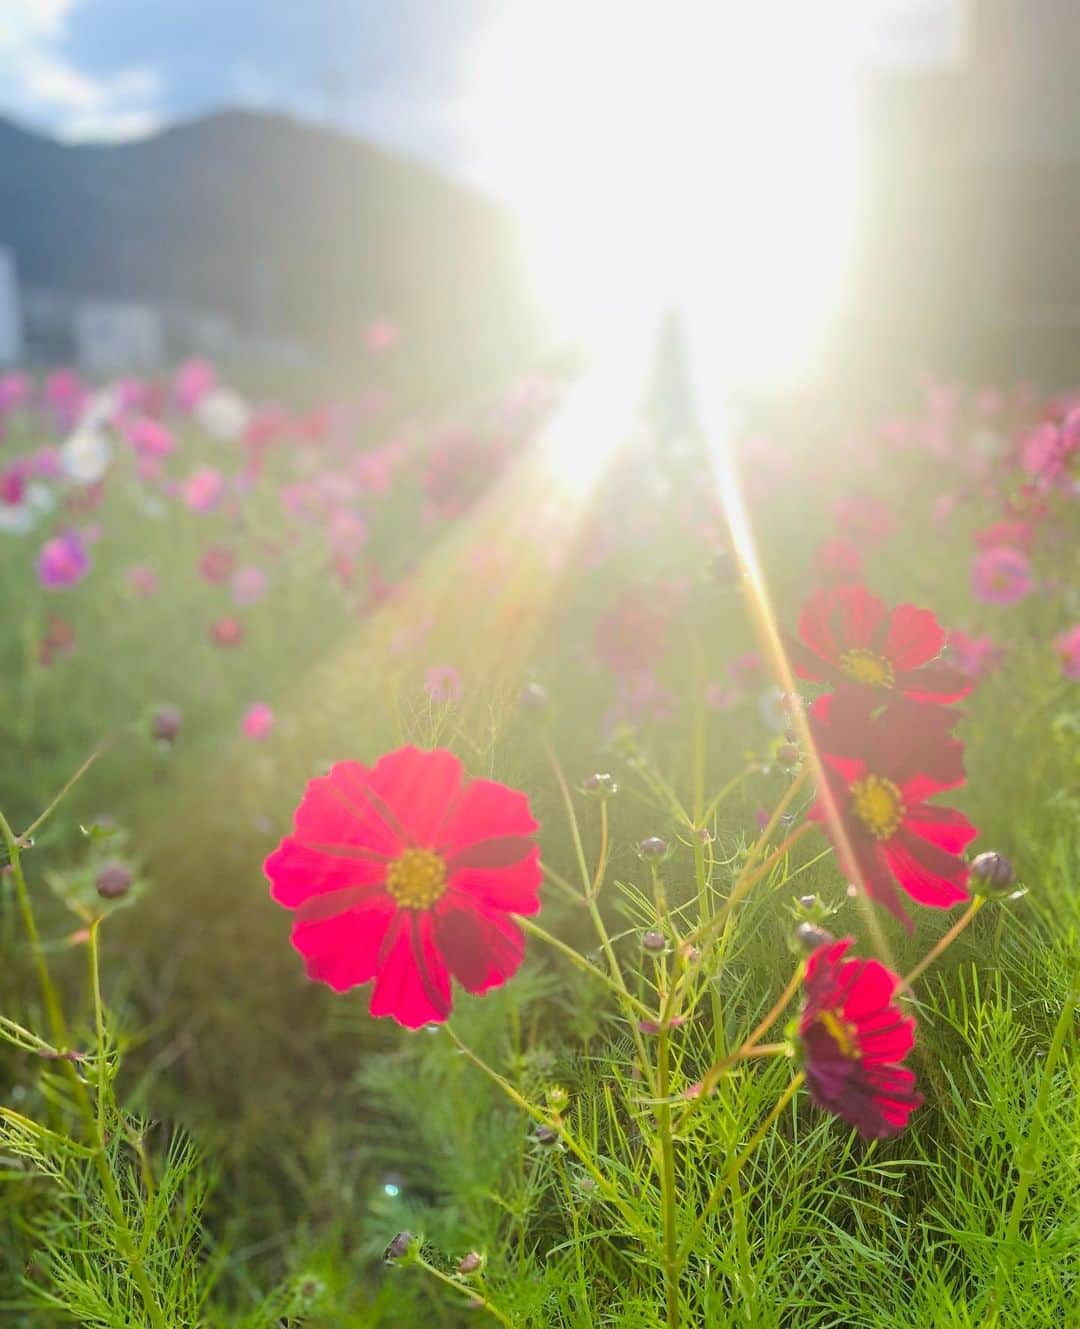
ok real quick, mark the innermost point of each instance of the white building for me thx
(11, 339)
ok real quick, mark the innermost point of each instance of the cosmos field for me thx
(450, 879)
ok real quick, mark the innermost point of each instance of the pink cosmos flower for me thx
(202, 491)
(1047, 453)
(63, 561)
(141, 580)
(227, 632)
(408, 873)
(443, 685)
(1068, 650)
(347, 532)
(216, 564)
(15, 391)
(149, 438)
(248, 585)
(258, 721)
(977, 656)
(194, 379)
(1002, 576)
(1017, 534)
(12, 486)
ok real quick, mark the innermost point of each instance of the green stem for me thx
(471, 1292)
(946, 940)
(99, 1023)
(717, 1191)
(672, 1265)
(124, 1238)
(542, 934)
(608, 1191)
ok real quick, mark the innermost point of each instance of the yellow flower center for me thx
(842, 1032)
(416, 878)
(866, 667)
(878, 804)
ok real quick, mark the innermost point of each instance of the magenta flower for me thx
(1002, 576)
(1068, 649)
(150, 438)
(63, 561)
(258, 721)
(194, 379)
(977, 656)
(203, 489)
(443, 685)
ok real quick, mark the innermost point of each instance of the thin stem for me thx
(49, 998)
(725, 789)
(747, 879)
(535, 930)
(471, 1292)
(717, 1191)
(124, 1238)
(601, 866)
(558, 880)
(607, 1189)
(667, 1182)
(99, 1023)
(568, 803)
(44, 816)
(947, 940)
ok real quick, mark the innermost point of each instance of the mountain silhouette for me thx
(286, 228)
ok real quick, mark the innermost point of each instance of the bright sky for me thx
(397, 71)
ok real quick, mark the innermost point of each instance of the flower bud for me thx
(599, 785)
(653, 848)
(546, 1135)
(401, 1246)
(469, 1264)
(787, 755)
(533, 698)
(653, 941)
(166, 724)
(113, 881)
(557, 1098)
(810, 936)
(991, 874)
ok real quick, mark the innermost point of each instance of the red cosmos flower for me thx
(406, 873)
(880, 769)
(849, 637)
(853, 1037)
(227, 632)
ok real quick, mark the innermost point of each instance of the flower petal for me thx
(482, 950)
(485, 810)
(925, 872)
(512, 888)
(418, 788)
(412, 984)
(914, 636)
(298, 872)
(343, 951)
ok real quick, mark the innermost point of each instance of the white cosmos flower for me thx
(40, 497)
(224, 415)
(17, 518)
(85, 456)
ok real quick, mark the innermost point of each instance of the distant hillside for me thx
(285, 227)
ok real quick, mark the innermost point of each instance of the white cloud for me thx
(40, 83)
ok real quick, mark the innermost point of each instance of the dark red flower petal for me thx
(939, 882)
(481, 949)
(412, 982)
